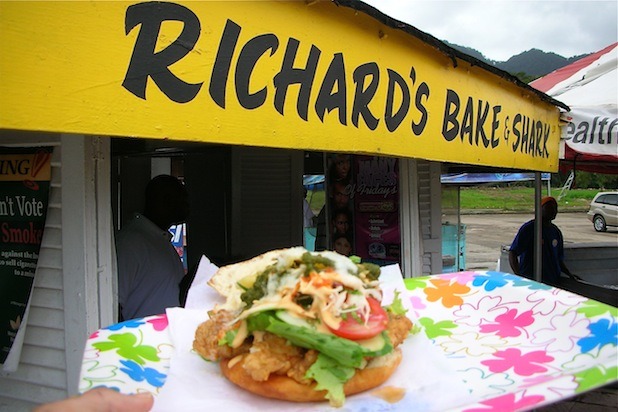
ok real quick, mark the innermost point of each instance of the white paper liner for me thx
(194, 384)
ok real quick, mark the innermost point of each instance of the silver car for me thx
(604, 210)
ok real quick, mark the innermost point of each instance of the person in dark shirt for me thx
(149, 268)
(521, 254)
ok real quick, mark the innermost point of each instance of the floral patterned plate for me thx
(130, 357)
(515, 344)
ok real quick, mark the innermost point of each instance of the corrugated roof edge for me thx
(452, 53)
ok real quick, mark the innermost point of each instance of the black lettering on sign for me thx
(481, 117)
(290, 75)
(516, 132)
(422, 93)
(364, 95)
(223, 61)
(13, 167)
(530, 136)
(328, 100)
(146, 63)
(466, 123)
(394, 120)
(473, 121)
(450, 124)
(495, 123)
(249, 55)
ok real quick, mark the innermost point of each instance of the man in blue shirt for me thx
(521, 255)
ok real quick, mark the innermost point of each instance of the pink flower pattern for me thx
(460, 277)
(508, 402)
(417, 303)
(159, 323)
(509, 324)
(522, 364)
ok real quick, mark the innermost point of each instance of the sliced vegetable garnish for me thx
(346, 352)
(356, 327)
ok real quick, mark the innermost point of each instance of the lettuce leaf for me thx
(396, 306)
(347, 352)
(330, 376)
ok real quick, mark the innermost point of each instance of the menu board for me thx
(25, 175)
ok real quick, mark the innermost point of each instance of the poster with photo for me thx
(376, 209)
(25, 175)
(335, 222)
(341, 212)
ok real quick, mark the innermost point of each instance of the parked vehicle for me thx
(604, 210)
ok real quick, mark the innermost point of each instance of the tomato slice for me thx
(354, 327)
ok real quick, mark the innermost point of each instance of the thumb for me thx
(101, 400)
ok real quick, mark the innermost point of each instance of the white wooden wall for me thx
(73, 286)
(430, 207)
(420, 217)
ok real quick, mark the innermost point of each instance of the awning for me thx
(590, 87)
(323, 75)
(483, 178)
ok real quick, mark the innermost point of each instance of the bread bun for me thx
(225, 280)
(377, 371)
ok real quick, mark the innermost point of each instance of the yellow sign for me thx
(287, 74)
(30, 166)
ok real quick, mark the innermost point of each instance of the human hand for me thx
(101, 400)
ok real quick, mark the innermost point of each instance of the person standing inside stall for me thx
(521, 254)
(308, 215)
(149, 268)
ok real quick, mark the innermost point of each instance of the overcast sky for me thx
(500, 29)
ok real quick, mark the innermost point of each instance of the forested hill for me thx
(528, 65)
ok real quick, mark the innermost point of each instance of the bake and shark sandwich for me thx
(303, 326)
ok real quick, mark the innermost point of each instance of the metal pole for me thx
(459, 266)
(538, 238)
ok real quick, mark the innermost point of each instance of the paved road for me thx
(486, 233)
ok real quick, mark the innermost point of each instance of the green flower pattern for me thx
(127, 347)
(436, 329)
(592, 308)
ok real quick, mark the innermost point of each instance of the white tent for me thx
(589, 87)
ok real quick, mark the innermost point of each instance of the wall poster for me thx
(376, 209)
(25, 175)
(362, 208)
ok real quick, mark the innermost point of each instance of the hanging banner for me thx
(593, 131)
(25, 176)
(318, 75)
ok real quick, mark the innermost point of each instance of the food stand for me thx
(254, 78)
